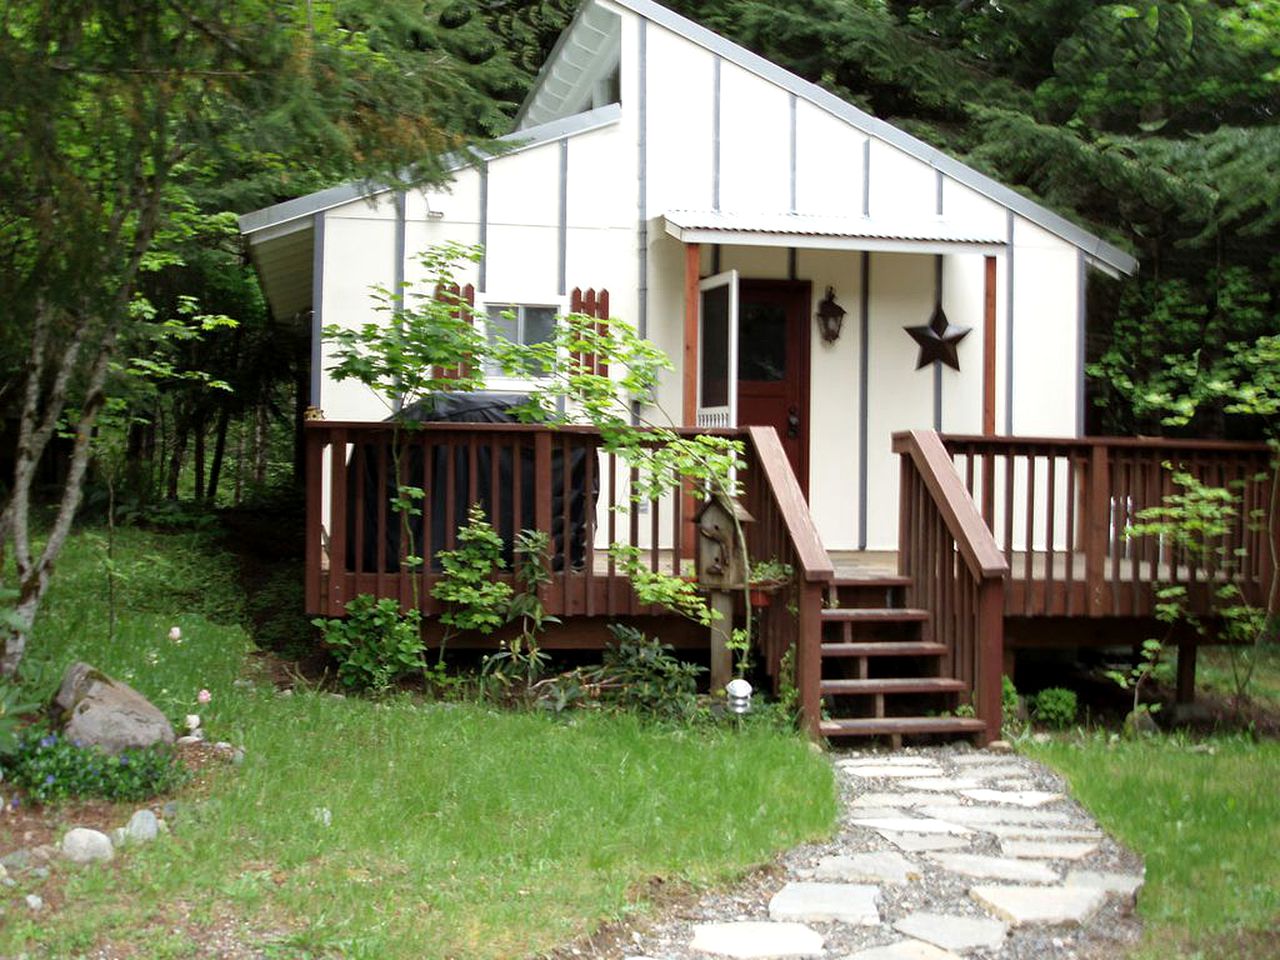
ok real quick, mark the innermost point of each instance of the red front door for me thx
(773, 364)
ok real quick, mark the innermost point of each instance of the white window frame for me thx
(498, 381)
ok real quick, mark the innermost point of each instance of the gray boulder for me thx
(143, 827)
(83, 845)
(107, 713)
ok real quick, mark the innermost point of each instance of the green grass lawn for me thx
(1206, 817)
(454, 830)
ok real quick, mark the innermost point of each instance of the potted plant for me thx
(766, 577)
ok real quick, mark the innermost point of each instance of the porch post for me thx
(989, 350)
(692, 266)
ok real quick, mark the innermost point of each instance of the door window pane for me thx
(762, 342)
(714, 355)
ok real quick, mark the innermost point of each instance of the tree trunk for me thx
(219, 451)
(198, 434)
(240, 452)
(261, 447)
(181, 429)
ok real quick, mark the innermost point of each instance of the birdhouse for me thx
(720, 561)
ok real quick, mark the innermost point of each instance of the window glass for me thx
(762, 342)
(539, 324)
(519, 324)
(715, 347)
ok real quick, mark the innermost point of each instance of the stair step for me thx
(887, 648)
(873, 726)
(875, 615)
(871, 582)
(894, 685)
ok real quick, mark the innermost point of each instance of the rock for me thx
(1045, 906)
(1140, 723)
(34, 902)
(940, 784)
(45, 853)
(954, 933)
(995, 868)
(1031, 832)
(980, 816)
(169, 810)
(40, 873)
(1000, 746)
(190, 739)
(222, 747)
(1047, 849)
(322, 816)
(108, 713)
(881, 800)
(886, 760)
(993, 770)
(19, 859)
(870, 772)
(82, 845)
(916, 842)
(4, 874)
(757, 940)
(912, 825)
(1018, 798)
(851, 903)
(884, 866)
(237, 757)
(904, 950)
(142, 827)
(1123, 885)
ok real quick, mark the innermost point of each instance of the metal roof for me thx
(701, 225)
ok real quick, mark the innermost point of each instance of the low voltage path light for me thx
(830, 317)
(738, 692)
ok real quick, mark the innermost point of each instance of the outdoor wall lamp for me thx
(830, 317)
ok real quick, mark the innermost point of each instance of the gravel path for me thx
(989, 841)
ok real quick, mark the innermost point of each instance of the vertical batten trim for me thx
(483, 270)
(715, 259)
(642, 170)
(715, 138)
(866, 177)
(937, 364)
(397, 270)
(864, 375)
(1008, 326)
(562, 236)
(792, 159)
(317, 306)
(937, 203)
(793, 263)
(1082, 318)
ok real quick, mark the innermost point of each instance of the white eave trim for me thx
(298, 211)
(1096, 250)
(815, 233)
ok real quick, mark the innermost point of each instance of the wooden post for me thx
(314, 438)
(337, 599)
(1098, 532)
(692, 267)
(809, 657)
(542, 507)
(1186, 692)
(721, 657)
(991, 654)
(989, 350)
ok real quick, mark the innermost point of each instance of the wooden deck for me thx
(990, 529)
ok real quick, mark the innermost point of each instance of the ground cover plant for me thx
(1206, 818)
(386, 828)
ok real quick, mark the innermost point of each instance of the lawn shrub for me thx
(376, 644)
(1055, 707)
(51, 767)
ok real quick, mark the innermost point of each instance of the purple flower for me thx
(49, 741)
(48, 779)
(13, 804)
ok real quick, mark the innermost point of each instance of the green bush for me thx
(1055, 707)
(641, 674)
(1009, 707)
(50, 768)
(376, 644)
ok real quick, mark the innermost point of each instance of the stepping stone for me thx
(917, 842)
(900, 800)
(954, 933)
(941, 784)
(1003, 771)
(891, 760)
(1019, 798)
(884, 866)
(884, 770)
(851, 903)
(985, 815)
(757, 940)
(995, 868)
(912, 825)
(1047, 849)
(883, 813)
(1027, 832)
(1047, 906)
(1123, 885)
(904, 950)
(979, 758)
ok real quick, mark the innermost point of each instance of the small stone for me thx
(169, 810)
(1047, 849)
(142, 827)
(237, 757)
(35, 902)
(322, 816)
(883, 866)
(757, 940)
(824, 902)
(192, 722)
(995, 868)
(1041, 738)
(916, 842)
(40, 873)
(4, 873)
(8, 881)
(954, 933)
(286, 692)
(1123, 885)
(1019, 798)
(44, 853)
(912, 825)
(904, 950)
(1047, 906)
(82, 845)
(19, 859)
(1000, 746)
(189, 739)
(222, 747)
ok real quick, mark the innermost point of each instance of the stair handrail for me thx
(966, 613)
(815, 562)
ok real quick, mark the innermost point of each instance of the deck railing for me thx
(559, 480)
(783, 529)
(956, 569)
(1061, 511)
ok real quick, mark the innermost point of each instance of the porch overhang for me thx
(929, 236)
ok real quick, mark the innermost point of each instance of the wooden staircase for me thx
(881, 674)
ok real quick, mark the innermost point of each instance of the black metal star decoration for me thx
(938, 339)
